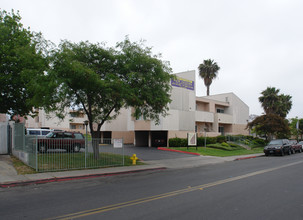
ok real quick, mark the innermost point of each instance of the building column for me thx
(149, 139)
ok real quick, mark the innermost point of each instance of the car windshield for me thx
(50, 134)
(275, 142)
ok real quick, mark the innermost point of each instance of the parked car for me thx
(301, 143)
(295, 146)
(70, 141)
(278, 147)
(37, 131)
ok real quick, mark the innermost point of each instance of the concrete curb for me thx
(61, 179)
(250, 157)
(179, 151)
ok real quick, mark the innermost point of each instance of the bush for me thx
(258, 142)
(235, 146)
(209, 140)
(177, 142)
(221, 139)
(225, 144)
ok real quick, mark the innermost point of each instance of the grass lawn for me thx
(74, 161)
(220, 152)
(67, 161)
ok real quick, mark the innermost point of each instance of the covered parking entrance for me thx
(151, 138)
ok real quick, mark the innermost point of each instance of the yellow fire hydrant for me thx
(134, 158)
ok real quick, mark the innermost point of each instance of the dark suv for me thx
(70, 141)
(278, 146)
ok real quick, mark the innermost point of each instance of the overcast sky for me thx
(257, 43)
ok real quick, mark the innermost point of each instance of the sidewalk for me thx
(10, 178)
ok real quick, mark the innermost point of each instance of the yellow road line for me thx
(169, 194)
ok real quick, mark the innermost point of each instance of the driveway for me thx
(152, 153)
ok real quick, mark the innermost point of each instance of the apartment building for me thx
(208, 115)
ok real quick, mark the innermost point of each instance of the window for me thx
(76, 114)
(45, 132)
(34, 132)
(220, 110)
(58, 135)
(68, 135)
(221, 130)
(72, 126)
(78, 136)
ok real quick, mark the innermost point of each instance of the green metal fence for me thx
(95, 153)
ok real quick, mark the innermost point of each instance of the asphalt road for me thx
(260, 188)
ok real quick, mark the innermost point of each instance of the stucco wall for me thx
(128, 136)
(240, 129)
(237, 107)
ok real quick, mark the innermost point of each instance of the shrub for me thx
(209, 140)
(258, 142)
(221, 139)
(225, 144)
(235, 146)
(177, 142)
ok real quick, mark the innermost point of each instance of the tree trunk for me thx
(96, 137)
(207, 91)
(270, 137)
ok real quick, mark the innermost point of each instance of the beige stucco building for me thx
(208, 115)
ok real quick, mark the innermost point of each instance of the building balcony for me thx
(202, 116)
(225, 118)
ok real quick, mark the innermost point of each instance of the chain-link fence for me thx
(45, 154)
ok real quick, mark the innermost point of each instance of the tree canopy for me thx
(296, 127)
(22, 65)
(271, 125)
(208, 70)
(100, 81)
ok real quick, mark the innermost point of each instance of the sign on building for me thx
(183, 83)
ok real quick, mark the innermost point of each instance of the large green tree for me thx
(208, 70)
(23, 60)
(270, 125)
(296, 127)
(101, 80)
(276, 107)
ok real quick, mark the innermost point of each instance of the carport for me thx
(151, 138)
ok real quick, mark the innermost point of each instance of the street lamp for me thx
(85, 123)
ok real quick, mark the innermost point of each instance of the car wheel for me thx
(266, 154)
(289, 151)
(300, 151)
(42, 148)
(282, 152)
(76, 148)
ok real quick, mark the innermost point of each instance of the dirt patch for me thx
(20, 167)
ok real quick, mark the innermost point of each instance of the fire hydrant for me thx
(134, 158)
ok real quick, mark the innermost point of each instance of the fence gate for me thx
(19, 135)
(4, 137)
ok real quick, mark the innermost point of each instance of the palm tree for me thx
(269, 100)
(285, 105)
(273, 103)
(208, 70)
